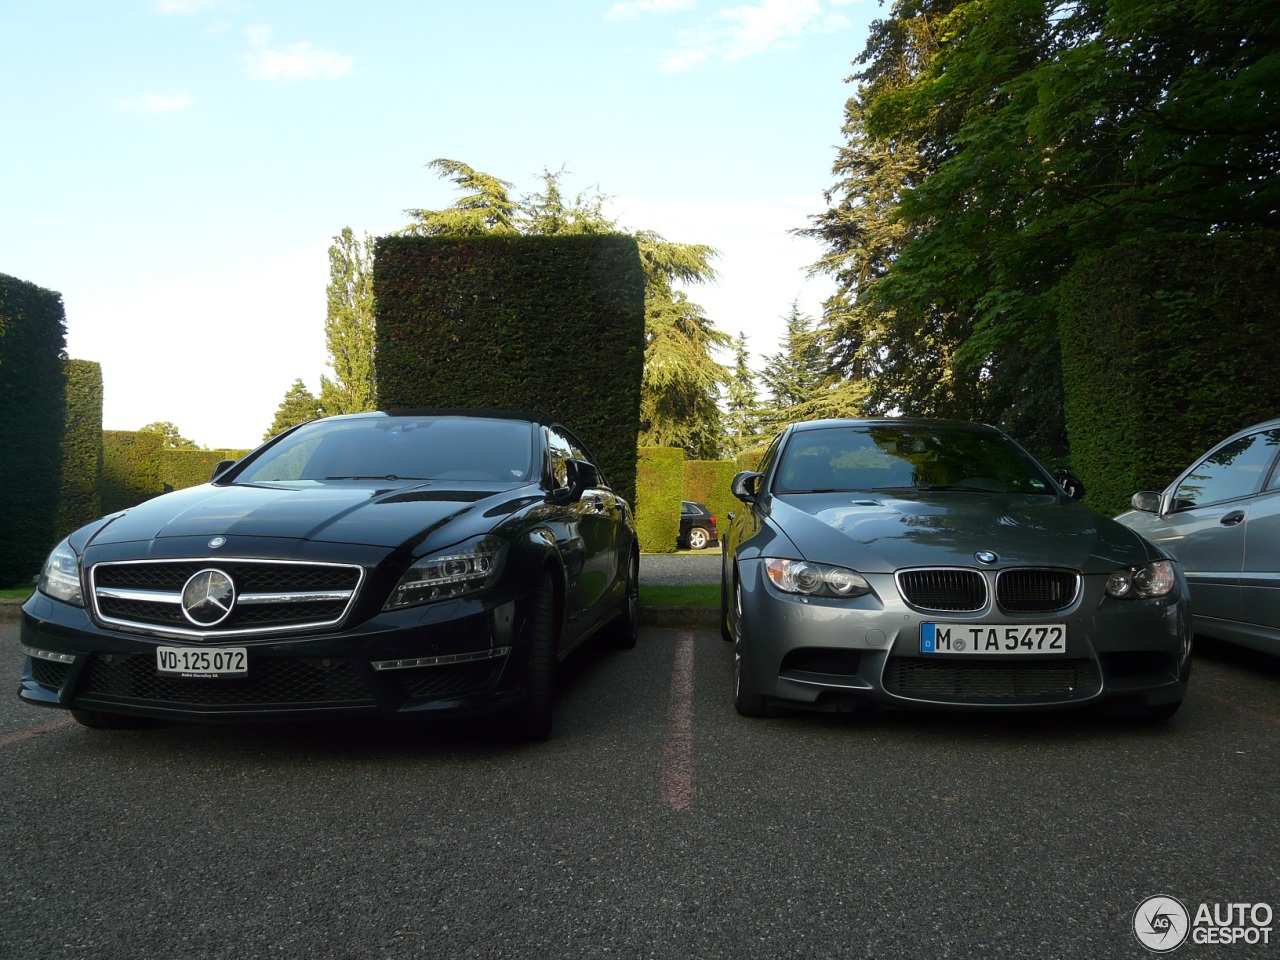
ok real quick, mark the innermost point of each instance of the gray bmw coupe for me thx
(937, 564)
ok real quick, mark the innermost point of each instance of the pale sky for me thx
(177, 169)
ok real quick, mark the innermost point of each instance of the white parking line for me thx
(677, 787)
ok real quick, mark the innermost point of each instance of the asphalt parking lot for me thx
(656, 823)
(680, 568)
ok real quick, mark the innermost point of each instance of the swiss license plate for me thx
(202, 662)
(993, 638)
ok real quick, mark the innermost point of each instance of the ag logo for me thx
(1161, 924)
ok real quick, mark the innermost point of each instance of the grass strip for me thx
(680, 595)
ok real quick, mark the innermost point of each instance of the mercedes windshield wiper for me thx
(381, 476)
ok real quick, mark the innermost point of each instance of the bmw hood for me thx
(880, 534)
(383, 514)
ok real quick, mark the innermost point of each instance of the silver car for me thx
(917, 563)
(1221, 519)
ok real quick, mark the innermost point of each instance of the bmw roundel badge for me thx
(986, 556)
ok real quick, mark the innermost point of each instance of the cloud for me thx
(155, 103)
(734, 33)
(631, 9)
(185, 6)
(297, 61)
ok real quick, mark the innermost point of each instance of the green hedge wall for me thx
(1169, 344)
(32, 398)
(551, 325)
(131, 468)
(707, 482)
(659, 489)
(80, 501)
(180, 469)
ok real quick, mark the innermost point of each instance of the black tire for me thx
(746, 701)
(725, 633)
(97, 720)
(621, 633)
(539, 637)
(699, 538)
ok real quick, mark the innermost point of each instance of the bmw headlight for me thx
(815, 579)
(60, 577)
(1155, 579)
(467, 568)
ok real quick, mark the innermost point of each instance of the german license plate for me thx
(993, 638)
(202, 662)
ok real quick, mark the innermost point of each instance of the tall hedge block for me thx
(550, 325)
(659, 489)
(131, 468)
(32, 341)
(80, 500)
(1169, 344)
(707, 482)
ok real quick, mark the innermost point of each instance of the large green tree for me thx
(681, 377)
(349, 327)
(1024, 135)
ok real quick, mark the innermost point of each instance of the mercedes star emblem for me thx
(207, 598)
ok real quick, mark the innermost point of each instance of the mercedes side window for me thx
(561, 451)
(1232, 471)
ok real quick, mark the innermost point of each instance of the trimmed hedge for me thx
(659, 490)
(707, 482)
(131, 468)
(180, 469)
(80, 501)
(550, 325)
(1169, 344)
(32, 398)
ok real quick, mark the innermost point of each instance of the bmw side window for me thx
(1234, 470)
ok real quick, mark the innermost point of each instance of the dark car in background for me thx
(697, 527)
(379, 564)
(936, 564)
(1221, 519)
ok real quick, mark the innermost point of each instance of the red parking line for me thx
(677, 754)
(21, 735)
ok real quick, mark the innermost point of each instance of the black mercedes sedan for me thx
(389, 564)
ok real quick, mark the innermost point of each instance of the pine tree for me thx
(298, 406)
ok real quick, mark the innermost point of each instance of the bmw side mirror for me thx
(1073, 485)
(746, 486)
(1148, 501)
(219, 467)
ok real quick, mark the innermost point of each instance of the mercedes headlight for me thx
(60, 577)
(1148, 580)
(461, 570)
(815, 579)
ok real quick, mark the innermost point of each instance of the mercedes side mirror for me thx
(220, 466)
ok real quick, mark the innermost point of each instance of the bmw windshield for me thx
(890, 458)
